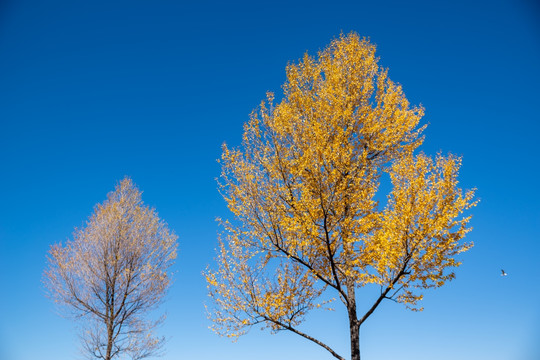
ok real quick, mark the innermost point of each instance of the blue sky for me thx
(93, 91)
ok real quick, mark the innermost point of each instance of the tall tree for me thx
(113, 272)
(304, 189)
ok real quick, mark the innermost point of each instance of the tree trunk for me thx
(109, 342)
(354, 324)
(355, 338)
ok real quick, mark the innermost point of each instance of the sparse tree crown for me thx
(112, 273)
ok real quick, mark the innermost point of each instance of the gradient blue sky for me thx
(91, 91)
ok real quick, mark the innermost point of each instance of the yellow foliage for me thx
(303, 190)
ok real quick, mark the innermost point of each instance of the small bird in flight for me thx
(503, 273)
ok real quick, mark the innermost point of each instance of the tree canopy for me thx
(112, 273)
(309, 211)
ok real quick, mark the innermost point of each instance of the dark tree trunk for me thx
(355, 338)
(354, 324)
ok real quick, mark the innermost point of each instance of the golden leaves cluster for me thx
(303, 188)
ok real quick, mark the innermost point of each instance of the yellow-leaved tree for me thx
(112, 273)
(303, 188)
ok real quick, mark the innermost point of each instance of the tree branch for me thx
(296, 331)
(385, 292)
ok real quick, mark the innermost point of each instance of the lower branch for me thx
(290, 328)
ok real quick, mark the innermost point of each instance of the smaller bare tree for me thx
(113, 272)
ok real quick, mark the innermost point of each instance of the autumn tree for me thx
(112, 273)
(309, 216)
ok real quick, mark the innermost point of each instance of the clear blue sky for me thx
(91, 91)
